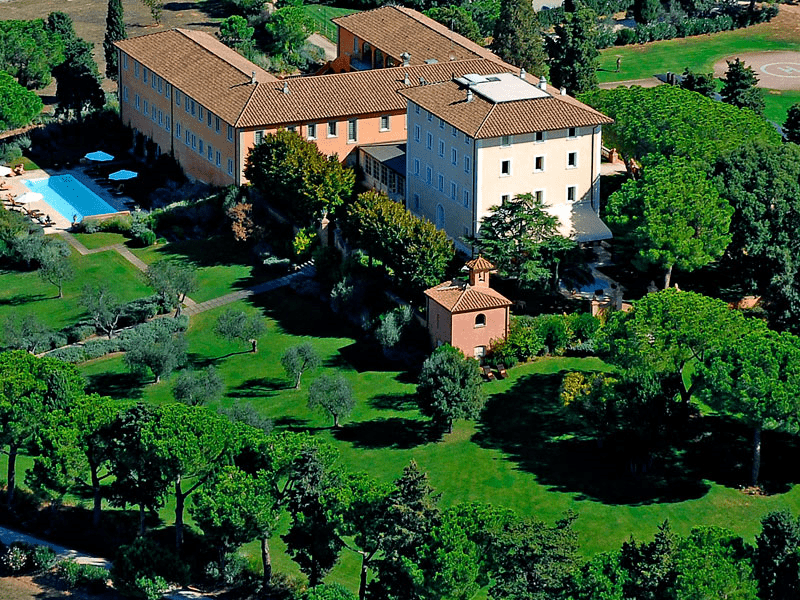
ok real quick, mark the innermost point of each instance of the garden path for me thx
(192, 307)
(62, 553)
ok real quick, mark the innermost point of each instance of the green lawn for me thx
(25, 293)
(525, 453)
(699, 53)
(223, 266)
(321, 15)
(100, 239)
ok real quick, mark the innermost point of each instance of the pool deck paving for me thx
(59, 222)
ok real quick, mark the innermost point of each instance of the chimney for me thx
(406, 59)
(422, 81)
(469, 94)
(285, 87)
(406, 80)
(522, 73)
(563, 91)
(542, 83)
(253, 78)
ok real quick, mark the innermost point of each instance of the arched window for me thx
(480, 320)
(440, 216)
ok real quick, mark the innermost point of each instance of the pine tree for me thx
(791, 128)
(740, 88)
(115, 31)
(573, 52)
(517, 39)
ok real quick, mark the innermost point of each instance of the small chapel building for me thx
(468, 315)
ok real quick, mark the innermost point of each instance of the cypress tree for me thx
(573, 52)
(740, 88)
(791, 127)
(517, 39)
(115, 31)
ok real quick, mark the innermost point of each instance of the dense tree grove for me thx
(674, 215)
(417, 253)
(18, 106)
(573, 51)
(517, 39)
(667, 120)
(295, 177)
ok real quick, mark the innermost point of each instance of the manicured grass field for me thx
(223, 267)
(24, 292)
(526, 452)
(100, 239)
(321, 16)
(699, 53)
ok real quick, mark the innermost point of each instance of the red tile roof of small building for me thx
(396, 29)
(458, 296)
(479, 264)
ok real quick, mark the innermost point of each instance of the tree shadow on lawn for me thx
(22, 299)
(300, 316)
(260, 387)
(395, 432)
(529, 424)
(393, 402)
(291, 423)
(119, 386)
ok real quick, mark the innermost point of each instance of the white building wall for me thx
(485, 182)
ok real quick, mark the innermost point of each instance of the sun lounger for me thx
(501, 372)
(487, 372)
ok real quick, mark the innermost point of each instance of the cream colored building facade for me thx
(477, 140)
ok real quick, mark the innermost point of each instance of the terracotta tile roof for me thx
(396, 29)
(321, 97)
(458, 296)
(479, 264)
(481, 118)
(199, 65)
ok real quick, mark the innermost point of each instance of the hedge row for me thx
(101, 347)
(546, 335)
(686, 27)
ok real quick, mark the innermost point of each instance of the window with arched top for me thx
(480, 320)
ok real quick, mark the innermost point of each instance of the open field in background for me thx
(89, 17)
(321, 16)
(699, 53)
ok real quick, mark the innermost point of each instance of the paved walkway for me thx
(306, 269)
(9, 535)
(192, 307)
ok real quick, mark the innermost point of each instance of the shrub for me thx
(141, 310)
(101, 347)
(77, 575)
(78, 332)
(553, 331)
(42, 558)
(149, 588)
(583, 326)
(145, 237)
(16, 558)
(141, 568)
(70, 572)
(625, 36)
(70, 354)
(235, 566)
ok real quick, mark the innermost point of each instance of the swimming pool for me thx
(69, 196)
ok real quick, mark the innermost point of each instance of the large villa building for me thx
(435, 120)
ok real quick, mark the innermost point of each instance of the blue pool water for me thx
(69, 196)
